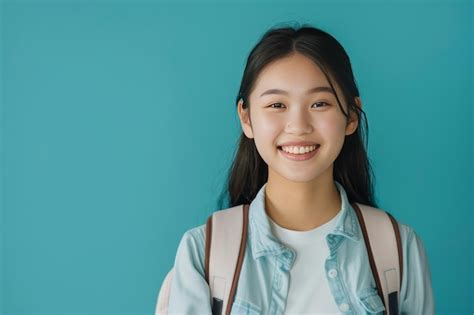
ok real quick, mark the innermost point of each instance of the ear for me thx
(244, 116)
(353, 122)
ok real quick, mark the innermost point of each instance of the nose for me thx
(299, 122)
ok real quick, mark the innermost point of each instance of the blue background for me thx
(118, 124)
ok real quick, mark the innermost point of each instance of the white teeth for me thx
(299, 150)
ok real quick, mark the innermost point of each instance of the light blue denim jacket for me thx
(264, 279)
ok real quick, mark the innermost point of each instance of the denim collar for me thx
(263, 242)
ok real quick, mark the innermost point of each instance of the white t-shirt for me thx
(309, 291)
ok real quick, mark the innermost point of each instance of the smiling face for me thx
(296, 116)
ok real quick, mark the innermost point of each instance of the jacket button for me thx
(333, 273)
(344, 307)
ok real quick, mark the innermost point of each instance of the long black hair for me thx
(352, 169)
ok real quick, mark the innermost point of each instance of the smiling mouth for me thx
(281, 148)
(299, 156)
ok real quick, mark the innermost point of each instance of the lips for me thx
(299, 157)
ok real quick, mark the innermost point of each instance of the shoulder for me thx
(195, 236)
(408, 235)
(410, 239)
(191, 249)
(406, 231)
(413, 248)
(412, 243)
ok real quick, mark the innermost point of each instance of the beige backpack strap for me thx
(383, 243)
(226, 239)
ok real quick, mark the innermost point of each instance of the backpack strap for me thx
(226, 240)
(385, 253)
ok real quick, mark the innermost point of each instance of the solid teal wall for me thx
(118, 122)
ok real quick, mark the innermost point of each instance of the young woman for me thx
(300, 164)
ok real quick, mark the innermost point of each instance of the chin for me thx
(293, 174)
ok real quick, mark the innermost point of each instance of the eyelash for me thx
(327, 104)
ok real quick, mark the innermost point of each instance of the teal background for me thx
(118, 123)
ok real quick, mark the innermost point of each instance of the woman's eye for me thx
(326, 104)
(271, 106)
(321, 103)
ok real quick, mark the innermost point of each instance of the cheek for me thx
(268, 130)
(331, 129)
(268, 124)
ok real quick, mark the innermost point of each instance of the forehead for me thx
(295, 73)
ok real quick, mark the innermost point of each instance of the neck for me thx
(302, 206)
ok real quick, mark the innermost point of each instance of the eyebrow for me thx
(312, 90)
